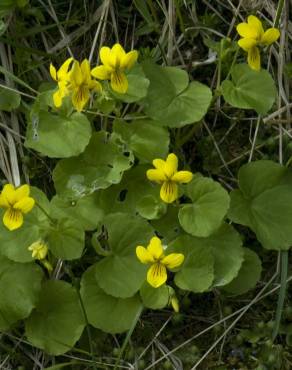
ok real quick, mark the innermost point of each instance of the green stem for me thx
(129, 334)
(282, 292)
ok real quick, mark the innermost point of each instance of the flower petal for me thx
(8, 193)
(157, 275)
(182, 177)
(144, 255)
(169, 192)
(256, 25)
(129, 59)
(155, 248)
(101, 72)
(107, 57)
(12, 219)
(85, 70)
(95, 85)
(271, 35)
(156, 175)
(3, 202)
(53, 72)
(119, 53)
(58, 98)
(119, 82)
(63, 71)
(246, 44)
(25, 205)
(173, 260)
(22, 192)
(76, 76)
(244, 30)
(159, 163)
(254, 59)
(80, 98)
(171, 165)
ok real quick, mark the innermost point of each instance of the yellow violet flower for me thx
(115, 61)
(39, 250)
(16, 202)
(166, 173)
(154, 255)
(81, 84)
(62, 78)
(253, 35)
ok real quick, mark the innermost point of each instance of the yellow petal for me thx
(173, 260)
(144, 255)
(254, 59)
(39, 250)
(155, 248)
(256, 25)
(129, 59)
(156, 175)
(3, 202)
(80, 98)
(53, 72)
(58, 98)
(8, 193)
(159, 164)
(245, 31)
(76, 77)
(169, 192)
(107, 58)
(63, 71)
(85, 70)
(119, 82)
(25, 205)
(157, 275)
(22, 192)
(101, 72)
(171, 165)
(246, 44)
(12, 219)
(182, 177)
(271, 35)
(119, 53)
(95, 85)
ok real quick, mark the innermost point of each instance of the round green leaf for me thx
(57, 322)
(248, 275)
(197, 271)
(145, 138)
(154, 298)
(102, 164)
(209, 207)
(121, 274)
(9, 99)
(151, 208)
(250, 89)
(105, 312)
(264, 203)
(226, 247)
(56, 136)
(20, 285)
(85, 210)
(171, 100)
(66, 239)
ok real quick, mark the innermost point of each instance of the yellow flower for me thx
(62, 78)
(253, 35)
(166, 173)
(153, 254)
(81, 84)
(16, 202)
(39, 250)
(115, 61)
